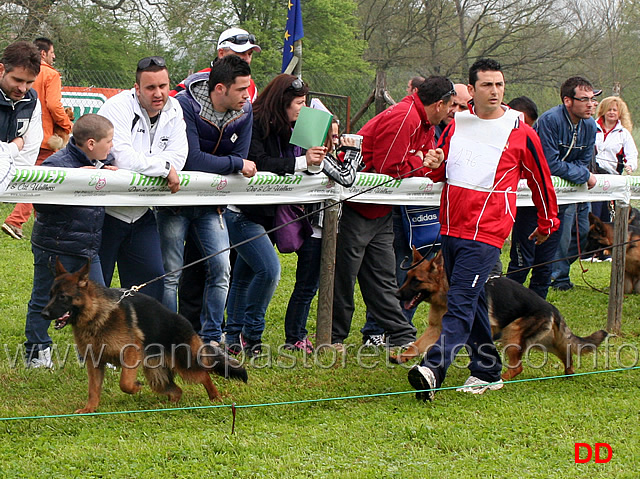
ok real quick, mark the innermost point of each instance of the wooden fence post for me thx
(616, 290)
(327, 274)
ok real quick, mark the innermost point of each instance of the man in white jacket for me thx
(149, 138)
(20, 113)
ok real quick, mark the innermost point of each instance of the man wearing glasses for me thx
(233, 41)
(568, 135)
(149, 138)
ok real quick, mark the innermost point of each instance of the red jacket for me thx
(487, 215)
(389, 145)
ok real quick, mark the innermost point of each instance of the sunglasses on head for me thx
(450, 93)
(241, 39)
(148, 61)
(296, 85)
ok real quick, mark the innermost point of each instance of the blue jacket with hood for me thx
(568, 148)
(213, 149)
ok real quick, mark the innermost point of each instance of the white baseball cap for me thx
(238, 40)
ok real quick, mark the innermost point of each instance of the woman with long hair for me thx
(257, 268)
(616, 151)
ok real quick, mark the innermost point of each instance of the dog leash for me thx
(134, 289)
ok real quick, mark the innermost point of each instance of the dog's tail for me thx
(588, 344)
(217, 360)
(579, 344)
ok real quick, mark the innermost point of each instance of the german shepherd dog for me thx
(601, 236)
(133, 331)
(518, 316)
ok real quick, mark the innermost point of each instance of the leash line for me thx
(276, 228)
(235, 406)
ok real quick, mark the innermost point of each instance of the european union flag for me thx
(293, 31)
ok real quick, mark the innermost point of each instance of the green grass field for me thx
(288, 424)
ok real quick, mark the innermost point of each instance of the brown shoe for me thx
(14, 231)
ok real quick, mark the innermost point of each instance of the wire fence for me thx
(86, 90)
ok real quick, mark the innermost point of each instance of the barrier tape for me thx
(70, 186)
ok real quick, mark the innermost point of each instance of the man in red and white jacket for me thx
(394, 143)
(487, 150)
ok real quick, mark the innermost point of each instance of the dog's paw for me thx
(85, 410)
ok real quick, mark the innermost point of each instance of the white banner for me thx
(72, 186)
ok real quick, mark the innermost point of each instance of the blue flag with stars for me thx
(293, 31)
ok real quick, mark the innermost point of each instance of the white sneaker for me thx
(42, 361)
(474, 385)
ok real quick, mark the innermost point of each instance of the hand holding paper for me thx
(311, 128)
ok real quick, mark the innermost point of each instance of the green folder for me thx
(311, 128)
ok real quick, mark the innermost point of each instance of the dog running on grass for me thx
(520, 317)
(133, 331)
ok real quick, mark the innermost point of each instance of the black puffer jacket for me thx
(69, 230)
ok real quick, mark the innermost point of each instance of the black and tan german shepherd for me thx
(601, 236)
(519, 317)
(131, 332)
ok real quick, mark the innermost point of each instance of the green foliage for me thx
(89, 40)
(528, 429)
(331, 44)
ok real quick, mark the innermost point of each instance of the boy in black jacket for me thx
(69, 233)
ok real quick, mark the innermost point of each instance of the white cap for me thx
(245, 41)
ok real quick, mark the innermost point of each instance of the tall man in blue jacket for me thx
(219, 119)
(568, 134)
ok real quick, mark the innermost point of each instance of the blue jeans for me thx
(256, 274)
(466, 322)
(207, 229)
(44, 267)
(307, 279)
(136, 249)
(568, 244)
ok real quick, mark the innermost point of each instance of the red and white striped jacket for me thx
(486, 213)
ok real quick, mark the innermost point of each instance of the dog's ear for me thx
(594, 220)
(417, 257)
(597, 225)
(59, 268)
(437, 263)
(83, 274)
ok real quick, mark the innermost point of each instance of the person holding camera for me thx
(340, 164)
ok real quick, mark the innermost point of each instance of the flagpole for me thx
(297, 52)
